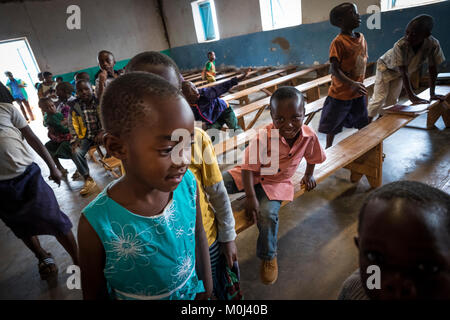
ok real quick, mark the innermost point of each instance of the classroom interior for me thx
(316, 249)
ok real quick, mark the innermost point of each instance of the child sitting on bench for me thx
(345, 105)
(265, 192)
(208, 107)
(403, 230)
(406, 57)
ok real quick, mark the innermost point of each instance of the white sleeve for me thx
(17, 118)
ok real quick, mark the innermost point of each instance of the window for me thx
(276, 14)
(205, 21)
(401, 4)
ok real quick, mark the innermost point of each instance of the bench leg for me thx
(241, 123)
(244, 100)
(255, 118)
(370, 165)
(434, 114)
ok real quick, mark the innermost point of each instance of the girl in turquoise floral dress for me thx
(142, 237)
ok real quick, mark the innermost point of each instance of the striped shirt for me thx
(352, 288)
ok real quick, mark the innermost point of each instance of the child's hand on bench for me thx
(308, 182)
(437, 97)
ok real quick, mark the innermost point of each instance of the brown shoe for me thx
(269, 271)
(89, 186)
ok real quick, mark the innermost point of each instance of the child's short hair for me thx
(424, 22)
(336, 13)
(123, 105)
(65, 86)
(421, 193)
(83, 75)
(151, 58)
(105, 51)
(46, 74)
(59, 78)
(287, 92)
(210, 52)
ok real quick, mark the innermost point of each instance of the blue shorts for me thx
(337, 114)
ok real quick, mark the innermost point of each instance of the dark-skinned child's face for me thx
(84, 91)
(212, 56)
(411, 246)
(190, 92)
(106, 62)
(48, 106)
(62, 94)
(287, 116)
(414, 35)
(351, 19)
(48, 78)
(149, 154)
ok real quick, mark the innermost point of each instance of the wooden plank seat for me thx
(311, 90)
(113, 165)
(251, 73)
(221, 76)
(268, 87)
(361, 153)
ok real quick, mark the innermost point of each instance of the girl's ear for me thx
(115, 146)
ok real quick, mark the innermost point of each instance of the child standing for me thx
(106, 62)
(17, 89)
(404, 230)
(345, 105)
(265, 192)
(208, 107)
(58, 132)
(406, 57)
(29, 207)
(86, 131)
(209, 71)
(47, 86)
(142, 237)
(215, 206)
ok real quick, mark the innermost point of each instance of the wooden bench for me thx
(262, 78)
(270, 86)
(251, 73)
(361, 153)
(221, 76)
(311, 90)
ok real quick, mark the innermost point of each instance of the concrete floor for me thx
(316, 250)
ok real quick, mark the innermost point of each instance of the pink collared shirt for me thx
(278, 185)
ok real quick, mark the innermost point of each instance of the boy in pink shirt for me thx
(266, 190)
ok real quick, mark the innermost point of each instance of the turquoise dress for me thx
(149, 257)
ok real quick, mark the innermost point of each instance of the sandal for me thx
(47, 267)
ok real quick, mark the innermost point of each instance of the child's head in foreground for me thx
(106, 60)
(345, 16)
(47, 106)
(418, 29)
(190, 92)
(156, 63)
(82, 76)
(140, 111)
(211, 56)
(404, 229)
(287, 109)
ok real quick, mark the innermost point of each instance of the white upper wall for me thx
(239, 17)
(122, 27)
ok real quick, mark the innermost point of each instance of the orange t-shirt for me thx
(352, 56)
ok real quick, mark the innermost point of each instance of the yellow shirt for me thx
(207, 173)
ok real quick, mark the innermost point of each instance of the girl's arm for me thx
(203, 262)
(92, 262)
(42, 151)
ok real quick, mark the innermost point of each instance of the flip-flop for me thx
(47, 267)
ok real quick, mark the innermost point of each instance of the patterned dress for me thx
(153, 257)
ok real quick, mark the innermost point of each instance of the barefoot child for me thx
(142, 237)
(404, 230)
(217, 215)
(265, 192)
(209, 71)
(29, 207)
(406, 57)
(345, 105)
(208, 107)
(86, 131)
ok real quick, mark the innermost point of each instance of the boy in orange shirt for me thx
(346, 103)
